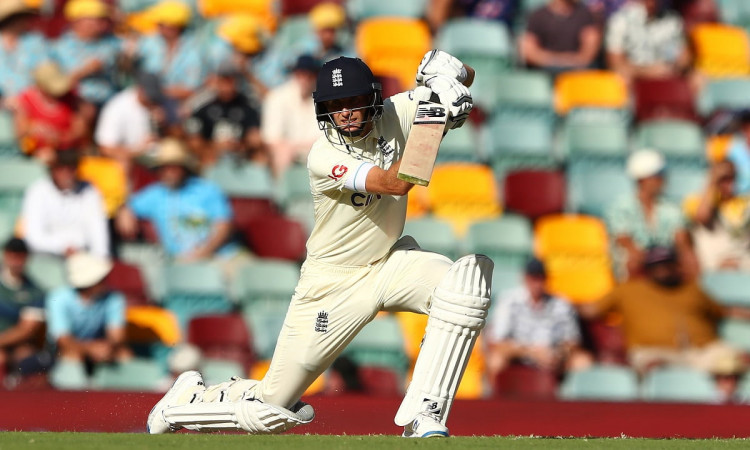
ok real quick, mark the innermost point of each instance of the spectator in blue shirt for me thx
(21, 50)
(86, 321)
(192, 216)
(88, 51)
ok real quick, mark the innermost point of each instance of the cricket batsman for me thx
(357, 266)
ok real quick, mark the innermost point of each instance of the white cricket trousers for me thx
(330, 306)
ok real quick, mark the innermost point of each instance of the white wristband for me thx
(356, 182)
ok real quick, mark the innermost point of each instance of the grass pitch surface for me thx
(115, 441)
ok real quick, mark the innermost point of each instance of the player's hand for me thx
(438, 62)
(454, 96)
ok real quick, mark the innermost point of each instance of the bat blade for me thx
(422, 144)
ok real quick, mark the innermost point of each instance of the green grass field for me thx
(114, 441)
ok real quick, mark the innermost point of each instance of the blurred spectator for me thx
(668, 320)
(62, 215)
(646, 40)
(172, 52)
(228, 124)
(721, 228)
(648, 219)
(328, 21)
(739, 153)
(133, 121)
(49, 114)
(21, 307)
(191, 215)
(21, 50)
(288, 124)
(603, 9)
(560, 36)
(439, 11)
(531, 326)
(696, 12)
(86, 321)
(88, 51)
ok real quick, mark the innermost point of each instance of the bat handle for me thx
(469, 80)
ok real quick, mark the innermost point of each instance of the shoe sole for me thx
(168, 396)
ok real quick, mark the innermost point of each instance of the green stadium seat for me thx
(69, 375)
(522, 93)
(151, 260)
(679, 384)
(679, 141)
(293, 194)
(434, 235)
(290, 32)
(520, 143)
(265, 320)
(592, 191)
(506, 240)
(606, 383)
(7, 226)
(366, 9)
(593, 142)
(15, 176)
(460, 145)
(380, 344)
(505, 277)
(242, 179)
(265, 280)
(730, 94)
(730, 288)
(683, 181)
(216, 371)
(742, 393)
(735, 12)
(195, 289)
(8, 141)
(137, 374)
(736, 332)
(47, 271)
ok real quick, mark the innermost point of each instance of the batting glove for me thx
(438, 62)
(454, 96)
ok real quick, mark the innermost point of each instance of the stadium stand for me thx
(534, 193)
(222, 337)
(677, 384)
(721, 51)
(194, 289)
(605, 383)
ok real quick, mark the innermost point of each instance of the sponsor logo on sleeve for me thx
(338, 172)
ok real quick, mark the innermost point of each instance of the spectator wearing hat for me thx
(648, 219)
(228, 124)
(49, 115)
(21, 307)
(531, 326)
(88, 51)
(288, 124)
(86, 321)
(21, 49)
(132, 122)
(62, 214)
(331, 36)
(720, 221)
(192, 216)
(172, 52)
(669, 320)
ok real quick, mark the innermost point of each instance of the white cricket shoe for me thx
(184, 390)
(425, 426)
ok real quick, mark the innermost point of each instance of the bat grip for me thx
(470, 73)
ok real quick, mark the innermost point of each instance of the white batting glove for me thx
(438, 62)
(454, 96)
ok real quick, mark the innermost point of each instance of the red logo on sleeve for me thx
(338, 172)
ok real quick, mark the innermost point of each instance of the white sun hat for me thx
(85, 270)
(645, 163)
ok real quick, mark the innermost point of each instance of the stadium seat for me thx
(264, 10)
(736, 332)
(245, 180)
(742, 393)
(534, 193)
(290, 32)
(381, 381)
(8, 141)
(734, 12)
(380, 344)
(506, 240)
(15, 176)
(721, 51)
(7, 226)
(460, 145)
(591, 191)
(504, 278)
(393, 46)
(606, 383)
(246, 209)
(127, 279)
(669, 98)
(216, 371)
(138, 374)
(141, 177)
(276, 237)
(519, 381)
(521, 93)
(520, 143)
(729, 287)
(108, 176)
(69, 375)
(680, 142)
(150, 259)
(359, 10)
(462, 194)
(731, 94)
(590, 89)
(571, 234)
(149, 324)
(252, 282)
(294, 185)
(193, 290)
(265, 319)
(222, 337)
(48, 271)
(606, 339)
(595, 142)
(417, 203)
(296, 7)
(683, 181)
(434, 235)
(679, 384)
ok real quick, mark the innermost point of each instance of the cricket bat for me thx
(424, 139)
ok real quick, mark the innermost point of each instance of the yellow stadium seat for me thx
(463, 193)
(579, 279)
(571, 234)
(108, 177)
(418, 203)
(264, 10)
(393, 46)
(721, 50)
(590, 89)
(146, 323)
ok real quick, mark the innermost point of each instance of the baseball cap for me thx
(151, 85)
(535, 268)
(327, 15)
(243, 31)
(86, 9)
(307, 63)
(16, 245)
(645, 163)
(52, 80)
(171, 12)
(85, 269)
(659, 254)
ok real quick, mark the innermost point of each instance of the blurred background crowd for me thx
(154, 199)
